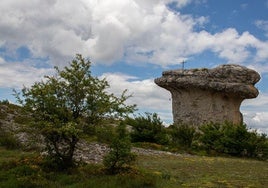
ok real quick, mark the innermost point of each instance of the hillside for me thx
(153, 170)
(23, 167)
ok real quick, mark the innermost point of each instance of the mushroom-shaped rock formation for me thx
(209, 95)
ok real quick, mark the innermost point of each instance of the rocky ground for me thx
(94, 152)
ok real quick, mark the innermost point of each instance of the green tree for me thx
(120, 154)
(64, 104)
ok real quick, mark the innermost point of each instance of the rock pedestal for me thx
(209, 95)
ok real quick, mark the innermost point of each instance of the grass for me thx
(9, 155)
(22, 169)
(196, 171)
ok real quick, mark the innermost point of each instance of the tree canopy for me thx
(65, 103)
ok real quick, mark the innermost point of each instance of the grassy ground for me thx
(196, 171)
(21, 169)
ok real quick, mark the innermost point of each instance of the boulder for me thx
(209, 95)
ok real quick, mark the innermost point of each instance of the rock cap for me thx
(230, 79)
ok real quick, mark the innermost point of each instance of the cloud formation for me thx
(255, 112)
(145, 93)
(110, 31)
(263, 25)
(17, 75)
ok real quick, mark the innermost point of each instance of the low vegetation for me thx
(148, 128)
(120, 155)
(210, 139)
(234, 140)
(26, 169)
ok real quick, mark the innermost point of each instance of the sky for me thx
(131, 42)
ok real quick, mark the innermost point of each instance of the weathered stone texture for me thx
(209, 95)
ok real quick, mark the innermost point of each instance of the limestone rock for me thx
(209, 95)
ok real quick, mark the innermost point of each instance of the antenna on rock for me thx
(183, 62)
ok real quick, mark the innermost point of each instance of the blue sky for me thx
(130, 42)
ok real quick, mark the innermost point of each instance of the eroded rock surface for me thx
(209, 95)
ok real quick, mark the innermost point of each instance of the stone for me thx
(201, 96)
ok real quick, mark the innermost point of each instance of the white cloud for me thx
(145, 93)
(244, 6)
(15, 75)
(263, 25)
(2, 61)
(257, 121)
(255, 112)
(179, 3)
(108, 31)
(260, 101)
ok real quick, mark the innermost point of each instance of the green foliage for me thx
(183, 135)
(4, 102)
(105, 133)
(22, 119)
(60, 144)
(234, 140)
(210, 137)
(64, 104)
(147, 128)
(8, 139)
(120, 155)
(3, 114)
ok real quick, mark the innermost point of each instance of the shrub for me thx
(9, 140)
(235, 140)
(22, 119)
(3, 114)
(61, 143)
(120, 155)
(148, 128)
(183, 135)
(5, 102)
(257, 146)
(210, 137)
(105, 133)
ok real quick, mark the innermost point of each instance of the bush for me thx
(5, 102)
(105, 133)
(9, 140)
(120, 155)
(3, 114)
(257, 145)
(148, 128)
(210, 137)
(22, 119)
(233, 140)
(183, 135)
(61, 143)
